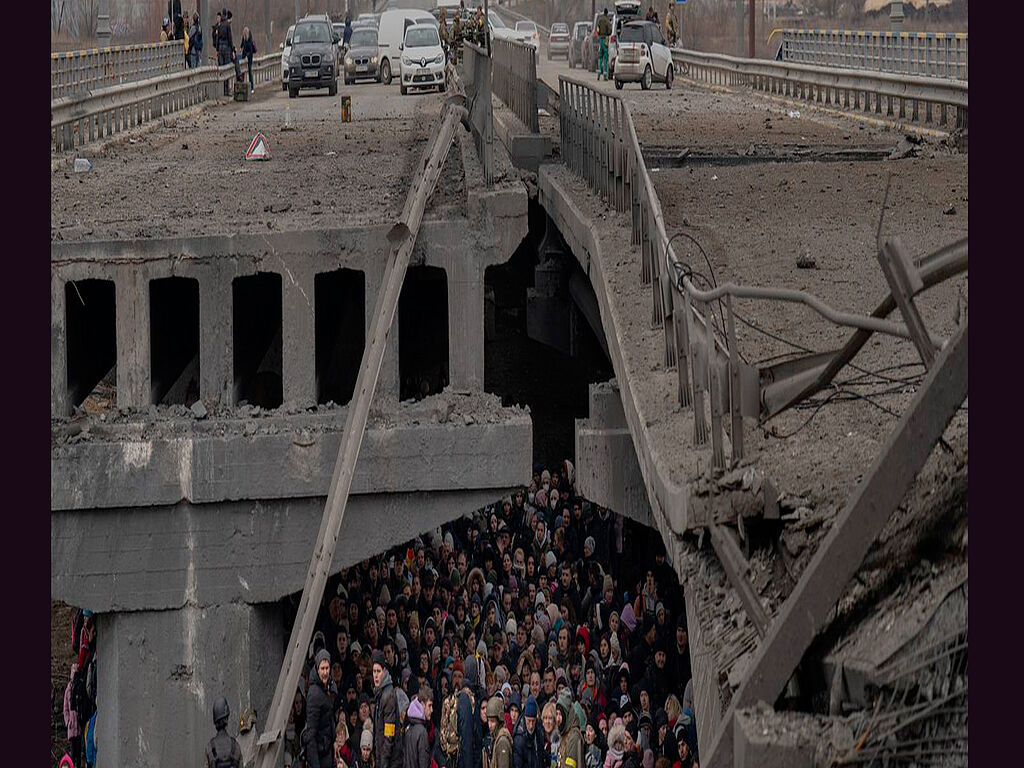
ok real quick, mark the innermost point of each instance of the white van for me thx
(391, 36)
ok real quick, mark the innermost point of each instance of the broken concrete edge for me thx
(671, 503)
(525, 149)
(765, 738)
(285, 457)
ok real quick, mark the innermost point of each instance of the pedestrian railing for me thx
(929, 54)
(515, 79)
(76, 72)
(901, 94)
(600, 144)
(477, 82)
(77, 120)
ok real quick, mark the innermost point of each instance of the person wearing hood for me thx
(318, 734)
(665, 744)
(570, 747)
(387, 744)
(469, 726)
(417, 729)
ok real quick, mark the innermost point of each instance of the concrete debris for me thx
(910, 145)
(951, 211)
(199, 410)
(794, 541)
(806, 261)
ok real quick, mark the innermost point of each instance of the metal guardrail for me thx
(477, 81)
(75, 72)
(846, 88)
(515, 79)
(599, 143)
(928, 54)
(75, 121)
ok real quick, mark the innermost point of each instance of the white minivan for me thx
(422, 59)
(391, 35)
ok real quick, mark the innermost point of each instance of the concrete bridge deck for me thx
(755, 212)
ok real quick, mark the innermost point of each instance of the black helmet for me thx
(221, 711)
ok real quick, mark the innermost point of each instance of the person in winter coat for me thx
(527, 742)
(248, 51)
(501, 741)
(365, 758)
(318, 734)
(417, 729)
(387, 744)
(570, 748)
(616, 745)
(469, 725)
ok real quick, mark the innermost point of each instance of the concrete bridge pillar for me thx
(299, 331)
(132, 291)
(466, 324)
(216, 343)
(607, 470)
(59, 405)
(161, 671)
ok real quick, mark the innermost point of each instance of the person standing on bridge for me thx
(195, 42)
(604, 31)
(318, 734)
(248, 51)
(223, 750)
(347, 33)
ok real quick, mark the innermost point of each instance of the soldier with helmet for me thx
(222, 751)
(500, 755)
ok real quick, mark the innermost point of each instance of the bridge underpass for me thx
(599, 241)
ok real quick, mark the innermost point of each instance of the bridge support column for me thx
(465, 324)
(607, 470)
(132, 295)
(216, 343)
(299, 334)
(159, 673)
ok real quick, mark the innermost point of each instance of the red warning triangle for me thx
(259, 149)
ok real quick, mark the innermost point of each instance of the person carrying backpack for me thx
(387, 740)
(222, 751)
(195, 42)
(500, 753)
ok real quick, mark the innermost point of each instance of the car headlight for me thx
(406, 62)
(348, 61)
(438, 59)
(373, 59)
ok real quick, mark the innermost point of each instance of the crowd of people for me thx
(80, 693)
(191, 35)
(543, 632)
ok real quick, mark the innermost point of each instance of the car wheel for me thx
(645, 83)
(403, 89)
(348, 81)
(442, 87)
(284, 86)
(293, 92)
(668, 76)
(385, 72)
(332, 89)
(618, 85)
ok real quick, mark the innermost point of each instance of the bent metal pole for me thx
(402, 238)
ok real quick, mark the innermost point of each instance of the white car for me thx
(286, 51)
(499, 29)
(526, 32)
(391, 35)
(422, 59)
(643, 56)
(625, 12)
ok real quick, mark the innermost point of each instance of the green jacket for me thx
(501, 749)
(604, 26)
(570, 749)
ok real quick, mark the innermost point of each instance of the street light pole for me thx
(750, 36)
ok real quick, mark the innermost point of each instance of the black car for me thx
(313, 62)
(361, 58)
